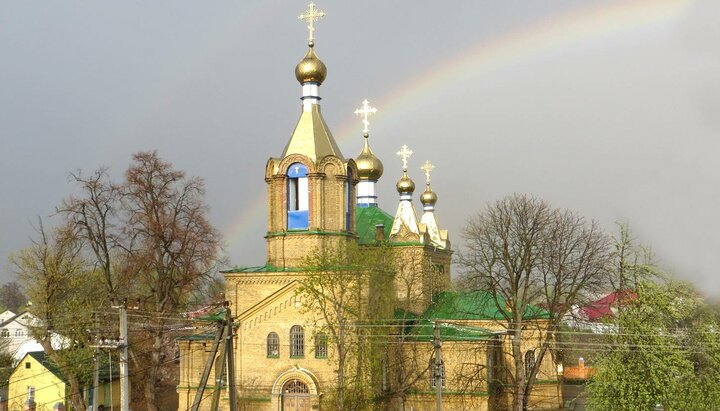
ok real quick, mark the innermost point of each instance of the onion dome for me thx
(405, 185)
(310, 69)
(369, 166)
(428, 197)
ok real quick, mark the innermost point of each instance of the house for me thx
(36, 378)
(15, 329)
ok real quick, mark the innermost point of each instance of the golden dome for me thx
(405, 184)
(369, 166)
(428, 197)
(310, 69)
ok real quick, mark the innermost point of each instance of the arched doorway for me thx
(295, 396)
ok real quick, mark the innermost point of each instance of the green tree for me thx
(61, 285)
(347, 290)
(667, 353)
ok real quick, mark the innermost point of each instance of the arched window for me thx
(321, 350)
(529, 362)
(273, 345)
(5, 332)
(297, 197)
(295, 387)
(349, 200)
(297, 341)
(434, 372)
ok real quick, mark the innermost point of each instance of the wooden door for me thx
(295, 396)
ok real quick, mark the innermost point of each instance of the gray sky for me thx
(610, 108)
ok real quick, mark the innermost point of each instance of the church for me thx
(441, 346)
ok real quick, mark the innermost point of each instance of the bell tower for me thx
(311, 187)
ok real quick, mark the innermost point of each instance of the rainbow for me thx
(554, 34)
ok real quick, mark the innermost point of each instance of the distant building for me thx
(15, 331)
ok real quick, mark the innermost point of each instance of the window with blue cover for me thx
(297, 197)
(349, 199)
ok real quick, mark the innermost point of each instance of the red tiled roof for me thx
(602, 308)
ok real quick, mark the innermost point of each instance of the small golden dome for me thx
(428, 197)
(405, 184)
(369, 166)
(310, 69)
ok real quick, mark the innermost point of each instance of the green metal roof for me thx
(366, 218)
(46, 362)
(267, 268)
(424, 330)
(473, 305)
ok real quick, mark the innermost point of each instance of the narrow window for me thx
(349, 200)
(273, 345)
(434, 371)
(27, 365)
(297, 341)
(384, 368)
(321, 350)
(297, 197)
(529, 362)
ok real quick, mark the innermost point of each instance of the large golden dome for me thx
(428, 197)
(405, 184)
(310, 69)
(369, 166)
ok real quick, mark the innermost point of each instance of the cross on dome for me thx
(310, 16)
(427, 168)
(404, 154)
(365, 111)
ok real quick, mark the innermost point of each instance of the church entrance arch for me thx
(295, 396)
(296, 390)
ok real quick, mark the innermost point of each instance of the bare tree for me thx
(149, 238)
(529, 255)
(92, 218)
(171, 244)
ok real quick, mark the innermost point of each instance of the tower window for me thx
(297, 197)
(321, 350)
(273, 345)
(349, 201)
(297, 341)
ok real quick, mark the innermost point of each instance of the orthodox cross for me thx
(365, 111)
(311, 15)
(404, 154)
(427, 168)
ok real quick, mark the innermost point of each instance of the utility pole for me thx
(124, 374)
(230, 356)
(208, 366)
(123, 347)
(227, 361)
(96, 366)
(439, 371)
